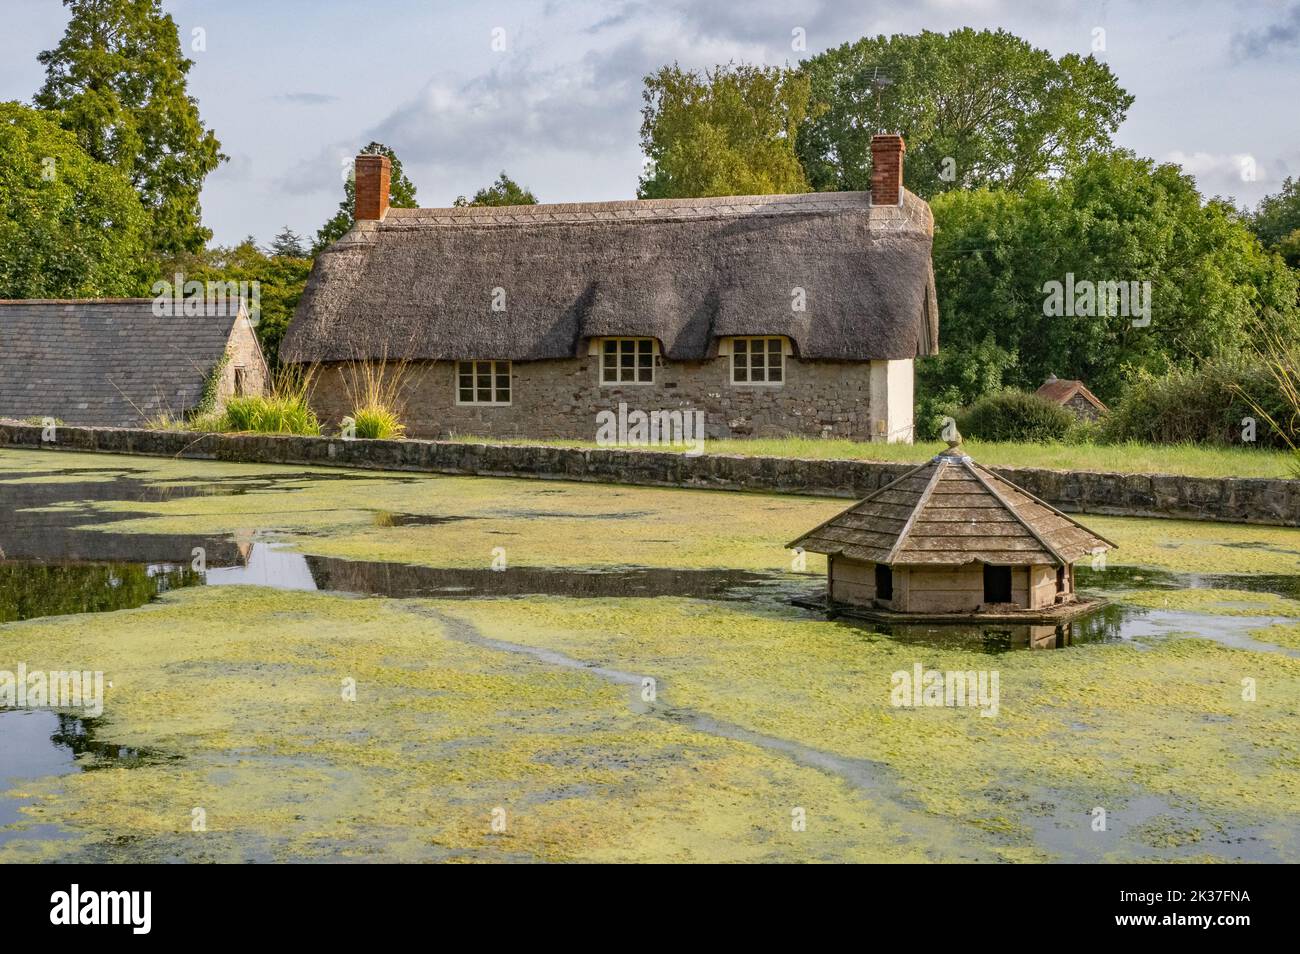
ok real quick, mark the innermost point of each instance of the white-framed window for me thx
(757, 361)
(627, 361)
(483, 382)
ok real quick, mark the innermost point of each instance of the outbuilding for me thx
(951, 539)
(115, 362)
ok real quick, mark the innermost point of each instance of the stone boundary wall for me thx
(1228, 499)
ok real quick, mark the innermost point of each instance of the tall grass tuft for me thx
(285, 410)
(1281, 359)
(375, 393)
(377, 422)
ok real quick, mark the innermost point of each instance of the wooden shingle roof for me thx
(951, 511)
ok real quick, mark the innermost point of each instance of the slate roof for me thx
(1061, 391)
(104, 362)
(419, 283)
(948, 512)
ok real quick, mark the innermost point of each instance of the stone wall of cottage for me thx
(561, 399)
(245, 360)
(1083, 408)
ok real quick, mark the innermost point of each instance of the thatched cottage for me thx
(113, 362)
(951, 538)
(771, 315)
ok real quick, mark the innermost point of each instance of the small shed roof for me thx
(948, 512)
(106, 362)
(1062, 391)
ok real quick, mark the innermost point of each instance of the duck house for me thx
(950, 540)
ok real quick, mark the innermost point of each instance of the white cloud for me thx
(1221, 173)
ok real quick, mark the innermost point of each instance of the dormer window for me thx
(627, 361)
(757, 361)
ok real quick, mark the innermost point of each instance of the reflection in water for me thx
(1108, 623)
(1114, 622)
(31, 590)
(36, 743)
(266, 566)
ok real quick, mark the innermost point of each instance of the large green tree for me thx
(118, 82)
(727, 131)
(504, 191)
(1113, 218)
(70, 227)
(976, 108)
(401, 195)
(1276, 221)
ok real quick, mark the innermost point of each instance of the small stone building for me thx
(952, 538)
(769, 315)
(112, 362)
(1074, 396)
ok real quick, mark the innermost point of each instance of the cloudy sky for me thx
(293, 88)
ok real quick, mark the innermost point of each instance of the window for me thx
(483, 382)
(884, 582)
(627, 361)
(997, 584)
(239, 382)
(757, 361)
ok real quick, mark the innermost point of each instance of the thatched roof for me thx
(951, 511)
(1062, 391)
(419, 283)
(105, 362)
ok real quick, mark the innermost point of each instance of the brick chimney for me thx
(372, 174)
(887, 170)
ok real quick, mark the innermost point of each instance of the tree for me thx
(288, 244)
(729, 131)
(118, 82)
(975, 109)
(401, 195)
(505, 191)
(1277, 222)
(70, 227)
(1115, 218)
(280, 282)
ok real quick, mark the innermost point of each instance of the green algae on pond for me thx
(516, 694)
(440, 734)
(460, 521)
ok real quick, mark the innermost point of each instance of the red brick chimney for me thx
(887, 170)
(372, 175)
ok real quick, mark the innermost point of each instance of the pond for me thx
(326, 663)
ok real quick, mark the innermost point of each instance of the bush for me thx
(1205, 405)
(376, 421)
(272, 414)
(1016, 416)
